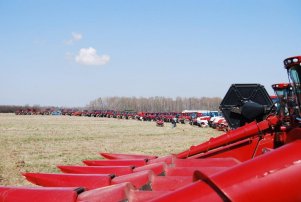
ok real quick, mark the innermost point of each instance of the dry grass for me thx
(39, 143)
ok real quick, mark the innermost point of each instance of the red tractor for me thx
(258, 160)
(140, 116)
(110, 113)
(130, 115)
(159, 123)
(77, 113)
(184, 118)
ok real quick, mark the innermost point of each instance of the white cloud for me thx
(75, 37)
(88, 56)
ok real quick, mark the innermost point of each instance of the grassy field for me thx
(39, 143)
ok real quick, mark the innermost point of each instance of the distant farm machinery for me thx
(160, 123)
(198, 118)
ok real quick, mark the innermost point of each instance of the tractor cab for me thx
(293, 66)
(285, 104)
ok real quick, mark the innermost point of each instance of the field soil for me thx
(39, 143)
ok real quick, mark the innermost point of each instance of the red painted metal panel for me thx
(37, 194)
(169, 183)
(246, 131)
(166, 159)
(113, 193)
(216, 162)
(260, 179)
(119, 162)
(253, 169)
(242, 152)
(293, 135)
(116, 170)
(188, 171)
(265, 143)
(274, 160)
(126, 156)
(270, 169)
(142, 196)
(157, 168)
(89, 181)
(138, 179)
(276, 185)
(191, 192)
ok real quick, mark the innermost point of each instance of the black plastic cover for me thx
(244, 103)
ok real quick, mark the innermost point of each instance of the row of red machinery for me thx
(259, 160)
(201, 118)
(184, 117)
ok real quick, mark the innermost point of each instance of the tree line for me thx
(150, 104)
(155, 104)
(14, 108)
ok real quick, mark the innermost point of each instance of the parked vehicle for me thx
(56, 113)
(160, 123)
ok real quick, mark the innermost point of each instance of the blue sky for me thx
(67, 53)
